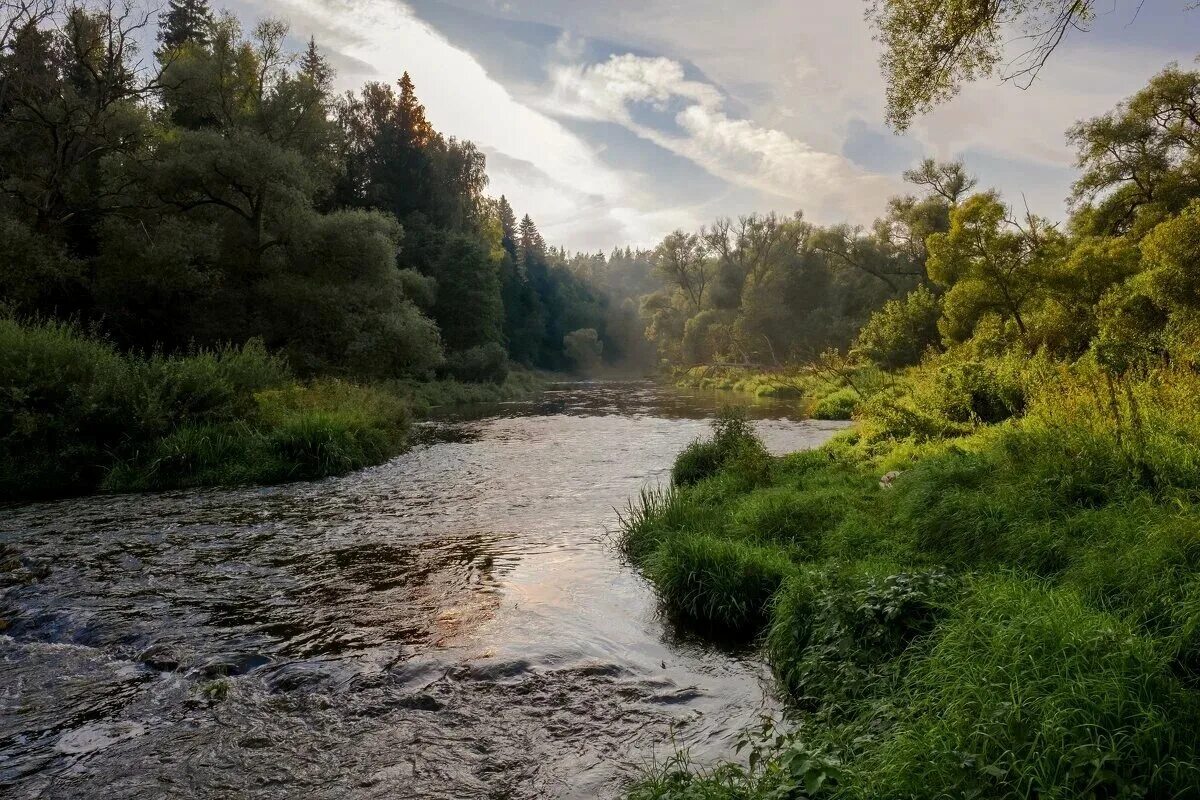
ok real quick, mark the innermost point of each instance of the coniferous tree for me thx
(530, 244)
(185, 22)
(315, 67)
(508, 226)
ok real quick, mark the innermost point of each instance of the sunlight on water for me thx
(454, 623)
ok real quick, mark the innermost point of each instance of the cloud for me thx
(543, 168)
(739, 151)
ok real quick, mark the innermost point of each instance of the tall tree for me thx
(530, 244)
(185, 22)
(682, 261)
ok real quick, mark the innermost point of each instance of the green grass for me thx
(1015, 614)
(78, 416)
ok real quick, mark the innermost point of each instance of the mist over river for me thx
(454, 623)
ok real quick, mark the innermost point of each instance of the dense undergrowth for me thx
(77, 415)
(990, 587)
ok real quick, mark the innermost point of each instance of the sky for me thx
(614, 122)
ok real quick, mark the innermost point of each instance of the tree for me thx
(583, 349)
(71, 101)
(468, 309)
(948, 180)
(531, 246)
(932, 47)
(990, 265)
(508, 226)
(682, 262)
(899, 334)
(314, 67)
(185, 22)
(1141, 162)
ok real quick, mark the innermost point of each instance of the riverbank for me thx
(990, 587)
(827, 396)
(79, 417)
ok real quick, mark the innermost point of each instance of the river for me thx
(455, 623)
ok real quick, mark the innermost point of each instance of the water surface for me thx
(454, 623)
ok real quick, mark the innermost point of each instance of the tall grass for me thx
(1014, 612)
(77, 415)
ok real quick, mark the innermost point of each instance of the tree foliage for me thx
(221, 191)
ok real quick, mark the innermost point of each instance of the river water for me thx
(455, 623)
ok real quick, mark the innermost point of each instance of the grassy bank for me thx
(823, 394)
(989, 588)
(78, 416)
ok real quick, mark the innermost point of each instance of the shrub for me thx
(733, 441)
(583, 349)
(76, 415)
(66, 401)
(834, 638)
(977, 391)
(836, 405)
(717, 584)
(899, 334)
(487, 363)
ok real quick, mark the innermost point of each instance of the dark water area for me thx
(455, 623)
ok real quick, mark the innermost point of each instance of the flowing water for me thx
(454, 623)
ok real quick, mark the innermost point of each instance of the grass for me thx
(1015, 613)
(78, 416)
(825, 395)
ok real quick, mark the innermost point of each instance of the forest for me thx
(218, 270)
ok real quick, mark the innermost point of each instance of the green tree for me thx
(989, 265)
(1141, 162)
(932, 47)
(682, 262)
(185, 22)
(903, 331)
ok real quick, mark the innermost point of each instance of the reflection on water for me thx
(454, 623)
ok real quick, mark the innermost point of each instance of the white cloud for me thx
(739, 151)
(560, 180)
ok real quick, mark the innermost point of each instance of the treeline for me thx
(1118, 284)
(770, 290)
(219, 190)
(952, 268)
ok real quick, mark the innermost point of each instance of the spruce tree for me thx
(508, 225)
(530, 243)
(410, 115)
(315, 68)
(185, 22)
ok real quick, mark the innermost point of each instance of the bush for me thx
(978, 391)
(834, 638)
(583, 349)
(734, 440)
(717, 584)
(837, 405)
(65, 402)
(76, 415)
(899, 334)
(487, 363)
